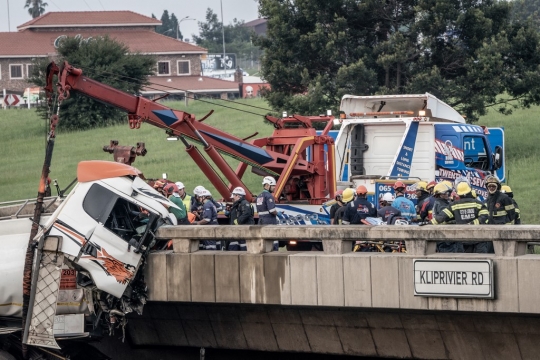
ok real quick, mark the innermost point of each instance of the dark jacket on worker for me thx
(420, 203)
(445, 246)
(338, 217)
(386, 211)
(500, 209)
(425, 212)
(466, 210)
(517, 217)
(333, 209)
(241, 213)
(266, 208)
(358, 210)
(439, 205)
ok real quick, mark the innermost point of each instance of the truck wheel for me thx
(4, 355)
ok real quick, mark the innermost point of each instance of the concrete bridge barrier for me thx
(325, 285)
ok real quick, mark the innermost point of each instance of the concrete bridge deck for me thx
(338, 301)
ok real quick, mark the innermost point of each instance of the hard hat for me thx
(205, 193)
(431, 185)
(492, 180)
(421, 186)
(180, 185)
(348, 195)
(506, 189)
(399, 185)
(238, 191)
(339, 192)
(442, 188)
(449, 183)
(159, 184)
(388, 197)
(170, 188)
(460, 180)
(269, 180)
(198, 190)
(361, 190)
(463, 188)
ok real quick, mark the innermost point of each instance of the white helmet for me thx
(205, 193)
(198, 190)
(238, 191)
(180, 185)
(388, 197)
(269, 180)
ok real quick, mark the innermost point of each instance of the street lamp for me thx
(179, 22)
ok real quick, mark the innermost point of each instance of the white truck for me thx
(412, 137)
(88, 257)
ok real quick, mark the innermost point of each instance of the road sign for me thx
(12, 100)
(453, 278)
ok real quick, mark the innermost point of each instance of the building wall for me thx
(13, 85)
(194, 59)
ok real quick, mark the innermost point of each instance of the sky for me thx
(240, 9)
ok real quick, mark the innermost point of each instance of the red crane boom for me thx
(284, 154)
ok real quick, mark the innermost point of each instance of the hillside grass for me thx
(22, 135)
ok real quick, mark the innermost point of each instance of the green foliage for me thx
(104, 60)
(237, 37)
(169, 25)
(35, 7)
(464, 52)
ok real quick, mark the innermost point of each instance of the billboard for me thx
(216, 62)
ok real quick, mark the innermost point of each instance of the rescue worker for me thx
(500, 207)
(186, 198)
(508, 191)
(266, 207)
(387, 209)
(359, 209)
(196, 206)
(466, 210)
(431, 186)
(346, 198)
(336, 206)
(208, 217)
(173, 195)
(424, 202)
(241, 213)
(442, 193)
(404, 205)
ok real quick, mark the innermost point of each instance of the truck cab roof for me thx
(390, 106)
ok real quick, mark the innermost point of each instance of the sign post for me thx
(454, 278)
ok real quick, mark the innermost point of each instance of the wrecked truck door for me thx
(111, 253)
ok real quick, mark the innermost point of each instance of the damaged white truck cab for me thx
(88, 256)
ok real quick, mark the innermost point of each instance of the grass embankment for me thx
(22, 135)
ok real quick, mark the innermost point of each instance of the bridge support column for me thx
(509, 248)
(185, 245)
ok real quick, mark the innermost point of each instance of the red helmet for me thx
(361, 190)
(431, 185)
(339, 192)
(170, 188)
(399, 185)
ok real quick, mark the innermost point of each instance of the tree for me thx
(237, 36)
(466, 52)
(105, 60)
(35, 7)
(169, 25)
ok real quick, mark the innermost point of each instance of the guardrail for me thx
(507, 240)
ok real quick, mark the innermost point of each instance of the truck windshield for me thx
(475, 153)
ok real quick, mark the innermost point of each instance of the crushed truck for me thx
(87, 257)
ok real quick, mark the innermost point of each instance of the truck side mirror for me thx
(498, 158)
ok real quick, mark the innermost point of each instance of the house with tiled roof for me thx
(177, 62)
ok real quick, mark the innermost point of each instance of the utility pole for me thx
(9, 24)
(223, 35)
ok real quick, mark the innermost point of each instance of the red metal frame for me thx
(284, 153)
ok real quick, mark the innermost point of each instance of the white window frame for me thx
(163, 61)
(28, 70)
(178, 67)
(22, 72)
